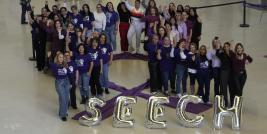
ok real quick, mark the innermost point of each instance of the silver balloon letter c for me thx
(180, 111)
(220, 112)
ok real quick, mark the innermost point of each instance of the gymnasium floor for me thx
(28, 102)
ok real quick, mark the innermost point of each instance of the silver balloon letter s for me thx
(181, 115)
(96, 116)
(220, 112)
(122, 112)
(154, 111)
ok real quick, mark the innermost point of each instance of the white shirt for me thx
(100, 20)
(211, 55)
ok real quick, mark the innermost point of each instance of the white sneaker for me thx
(179, 95)
(131, 49)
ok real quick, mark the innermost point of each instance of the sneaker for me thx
(131, 49)
(208, 103)
(166, 93)
(83, 100)
(74, 107)
(64, 118)
(173, 92)
(179, 95)
(106, 91)
(153, 93)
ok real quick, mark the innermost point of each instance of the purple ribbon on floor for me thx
(108, 109)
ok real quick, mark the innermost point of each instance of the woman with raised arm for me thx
(239, 61)
(124, 25)
(136, 27)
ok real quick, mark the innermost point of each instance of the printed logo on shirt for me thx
(204, 64)
(71, 69)
(104, 50)
(75, 21)
(108, 16)
(86, 18)
(80, 62)
(62, 71)
(94, 55)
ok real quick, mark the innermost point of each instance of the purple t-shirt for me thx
(72, 69)
(95, 55)
(177, 56)
(112, 18)
(87, 21)
(82, 62)
(76, 19)
(106, 50)
(166, 63)
(59, 71)
(152, 51)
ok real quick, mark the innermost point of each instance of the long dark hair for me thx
(111, 4)
(119, 9)
(83, 13)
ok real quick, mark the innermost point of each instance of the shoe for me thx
(24, 23)
(83, 100)
(131, 49)
(74, 107)
(106, 91)
(173, 92)
(184, 93)
(64, 118)
(208, 103)
(154, 92)
(32, 59)
(179, 95)
(166, 93)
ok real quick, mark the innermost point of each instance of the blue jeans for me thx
(98, 30)
(165, 76)
(63, 91)
(111, 36)
(180, 73)
(84, 84)
(104, 76)
(89, 33)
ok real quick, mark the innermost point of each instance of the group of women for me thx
(78, 47)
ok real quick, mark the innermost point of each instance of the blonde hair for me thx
(56, 61)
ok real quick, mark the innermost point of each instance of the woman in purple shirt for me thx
(96, 55)
(166, 63)
(85, 66)
(107, 57)
(60, 71)
(153, 63)
(73, 78)
(87, 20)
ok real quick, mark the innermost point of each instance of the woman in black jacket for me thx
(224, 55)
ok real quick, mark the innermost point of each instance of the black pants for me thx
(239, 82)
(204, 81)
(95, 85)
(72, 92)
(184, 80)
(40, 54)
(33, 45)
(23, 13)
(226, 85)
(154, 76)
(193, 78)
(172, 79)
(216, 78)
